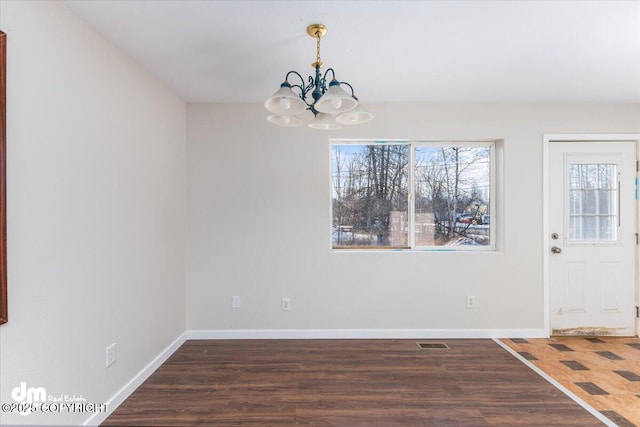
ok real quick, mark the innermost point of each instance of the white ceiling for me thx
(390, 51)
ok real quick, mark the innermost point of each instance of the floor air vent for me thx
(433, 346)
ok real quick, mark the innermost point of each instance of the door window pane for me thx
(589, 201)
(592, 202)
(607, 228)
(589, 231)
(606, 202)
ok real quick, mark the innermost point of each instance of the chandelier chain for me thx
(318, 47)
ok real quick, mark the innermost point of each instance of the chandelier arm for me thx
(303, 89)
(310, 86)
(300, 88)
(350, 87)
(333, 74)
(286, 78)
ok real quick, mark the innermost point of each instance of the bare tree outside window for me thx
(452, 186)
(370, 195)
(449, 186)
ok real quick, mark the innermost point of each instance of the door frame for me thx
(548, 139)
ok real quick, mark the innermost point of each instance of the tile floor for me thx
(602, 371)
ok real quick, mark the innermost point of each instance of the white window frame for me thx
(413, 144)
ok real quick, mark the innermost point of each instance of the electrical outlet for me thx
(235, 302)
(111, 355)
(471, 301)
(286, 304)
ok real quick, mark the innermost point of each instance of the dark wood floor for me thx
(346, 383)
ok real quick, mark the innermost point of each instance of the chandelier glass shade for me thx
(320, 105)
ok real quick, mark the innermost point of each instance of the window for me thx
(412, 195)
(593, 201)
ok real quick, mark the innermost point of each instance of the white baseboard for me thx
(236, 334)
(117, 399)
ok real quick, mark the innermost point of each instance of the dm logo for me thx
(22, 394)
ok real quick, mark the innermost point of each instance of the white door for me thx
(592, 241)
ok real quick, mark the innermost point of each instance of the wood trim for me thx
(4, 317)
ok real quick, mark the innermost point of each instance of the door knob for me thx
(556, 250)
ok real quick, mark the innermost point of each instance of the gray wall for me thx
(96, 211)
(259, 215)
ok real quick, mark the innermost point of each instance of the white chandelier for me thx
(328, 108)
